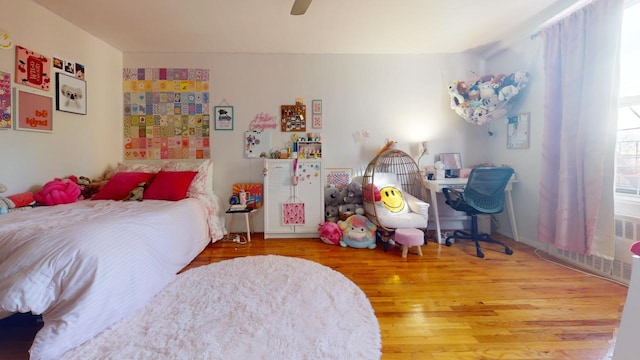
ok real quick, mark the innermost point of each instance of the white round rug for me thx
(256, 307)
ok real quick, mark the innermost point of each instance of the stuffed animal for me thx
(331, 213)
(346, 210)
(479, 115)
(456, 97)
(358, 232)
(354, 193)
(359, 209)
(330, 233)
(136, 193)
(332, 196)
(507, 92)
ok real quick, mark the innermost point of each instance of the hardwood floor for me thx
(447, 304)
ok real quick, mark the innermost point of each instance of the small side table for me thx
(247, 217)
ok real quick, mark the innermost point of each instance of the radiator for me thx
(627, 231)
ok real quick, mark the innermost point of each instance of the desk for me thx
(435, 186)
(247, 213)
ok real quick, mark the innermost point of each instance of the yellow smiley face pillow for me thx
(392, 199)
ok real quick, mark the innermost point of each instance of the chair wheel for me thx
(447, 242)
(508, 251)
(480, 254)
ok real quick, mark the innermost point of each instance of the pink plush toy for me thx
(58, 191)
(330, 233)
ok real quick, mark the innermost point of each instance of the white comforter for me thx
(86, 265)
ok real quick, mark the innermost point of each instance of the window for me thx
(627, 177)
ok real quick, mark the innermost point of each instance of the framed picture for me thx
(518, 131)
(71, 94)
(338, 177)
(32, 69)
(316, 121)
(33, 111)
(5, 100)
(223, 117)
(316, 106)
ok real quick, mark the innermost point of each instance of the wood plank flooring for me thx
(447, 304)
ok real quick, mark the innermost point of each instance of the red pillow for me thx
(170, 185)
(121, 184)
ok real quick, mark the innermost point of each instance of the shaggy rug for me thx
(256, 307)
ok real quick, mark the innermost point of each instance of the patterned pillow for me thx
(144, 168)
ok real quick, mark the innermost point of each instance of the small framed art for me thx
(518, 131)
(33, 111)
(71, 94)
(316, 105)
(223, 117)
(5, 100)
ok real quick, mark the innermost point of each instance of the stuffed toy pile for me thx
(486, 98)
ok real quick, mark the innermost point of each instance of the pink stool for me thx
(409, 237)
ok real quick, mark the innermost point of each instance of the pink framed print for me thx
(293, 213)
(316, 121)
(316, 106)
(5, 100)
(32, 69)
(33, 111)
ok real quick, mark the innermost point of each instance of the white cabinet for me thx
(279, 190)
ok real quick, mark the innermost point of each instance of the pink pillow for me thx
(170, 185)
(58, 191)
(121, 184)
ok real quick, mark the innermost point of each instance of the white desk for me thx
(436, 186)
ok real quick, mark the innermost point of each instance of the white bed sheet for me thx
(86, 265)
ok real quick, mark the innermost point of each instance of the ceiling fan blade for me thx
(300, 7)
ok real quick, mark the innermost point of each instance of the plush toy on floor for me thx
(330, 233)
(358, 232)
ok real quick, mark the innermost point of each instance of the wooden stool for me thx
(409, 237)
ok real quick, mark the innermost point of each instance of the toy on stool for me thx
(358, 232)
(330, 233)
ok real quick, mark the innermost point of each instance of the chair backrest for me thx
(485, 189)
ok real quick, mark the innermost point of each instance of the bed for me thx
(85, 265)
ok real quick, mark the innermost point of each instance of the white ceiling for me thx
(328, 27)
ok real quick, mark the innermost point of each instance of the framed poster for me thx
(5, 100)
(518, 131)
(316, 121)
(71, 94)
(223, 117)
(32, 69)
(33, 111)
(338, 177)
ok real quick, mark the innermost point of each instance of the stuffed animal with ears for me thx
(354, 193)
(137, 193)
(358, 232)
(330, 233)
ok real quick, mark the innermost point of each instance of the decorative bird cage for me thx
(408, 175)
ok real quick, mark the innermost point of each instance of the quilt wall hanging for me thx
(487, 97)
(166, 114)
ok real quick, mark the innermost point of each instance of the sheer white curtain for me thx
(581, 64)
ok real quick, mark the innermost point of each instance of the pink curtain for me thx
(581, 57)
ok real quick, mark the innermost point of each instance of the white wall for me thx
(399, 97)
(79, 145)
(525, 55)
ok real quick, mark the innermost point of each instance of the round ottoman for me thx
(408, 237)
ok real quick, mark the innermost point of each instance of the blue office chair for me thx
(483, 194)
